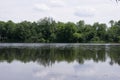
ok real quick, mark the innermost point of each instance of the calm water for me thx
(59, 61)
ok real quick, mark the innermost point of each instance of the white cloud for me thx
(42, 7)
(84, 12)
(57, 3)
(62, 10)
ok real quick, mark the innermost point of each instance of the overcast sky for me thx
(61, 10)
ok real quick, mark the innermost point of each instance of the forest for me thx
(47, 30)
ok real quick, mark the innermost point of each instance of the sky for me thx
(60, 10)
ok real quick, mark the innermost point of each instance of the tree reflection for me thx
(48, 55)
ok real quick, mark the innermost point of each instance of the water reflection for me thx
(47, 55)
(59, 62)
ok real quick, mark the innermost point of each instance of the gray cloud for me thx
(42, 7)
(57, 3)
(85, 12)
(63, 10)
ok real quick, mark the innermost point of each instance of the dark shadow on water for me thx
(48, 54)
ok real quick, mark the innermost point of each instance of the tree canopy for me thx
(47, 30)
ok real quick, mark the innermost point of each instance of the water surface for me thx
(23, 61)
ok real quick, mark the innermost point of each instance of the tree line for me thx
(47, 30)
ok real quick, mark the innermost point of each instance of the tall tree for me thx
(47, 27)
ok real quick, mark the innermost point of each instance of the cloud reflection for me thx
(75, 71)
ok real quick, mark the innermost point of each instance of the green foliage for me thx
(47, 27)
(77, 37)
(47, 30)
